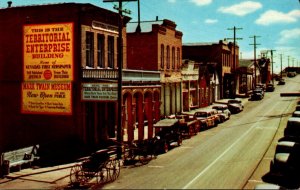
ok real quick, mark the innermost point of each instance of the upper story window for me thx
(100, 50)
(89, 49)
(178, 58)
(168, 57)
(173, 58)
(111, 51)
(162, 56)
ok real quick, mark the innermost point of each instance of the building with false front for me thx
(157, 47)
(58, 80)
(221, 56)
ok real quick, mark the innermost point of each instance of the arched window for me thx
(168, 57)
(178, 58)
(173, 58)
(162, 56)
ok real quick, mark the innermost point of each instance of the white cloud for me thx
(242, 8)
(201, 2)
(274, 17)
(211, 21)
(288, 35)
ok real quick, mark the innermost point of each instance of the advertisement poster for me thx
(47, 98)
(99, 92)
(48, 52)
(47, 68)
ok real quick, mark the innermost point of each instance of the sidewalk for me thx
(40, 178)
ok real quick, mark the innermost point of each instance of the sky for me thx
(276, 23)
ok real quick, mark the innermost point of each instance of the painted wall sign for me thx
(99, 91)
(47, 98)
(48, 52)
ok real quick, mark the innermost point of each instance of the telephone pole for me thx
(255, 46)
(234, 43)
(120, 66)
(234, 53)
(280, 65)
(272, 50)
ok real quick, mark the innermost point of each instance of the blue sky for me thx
(277, 22)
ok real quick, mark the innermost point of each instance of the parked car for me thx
(216, 116)
(188, 125)
(262, 86)
(281, 82)
(169, 134)
(223, 111)
(257, 94)
(296, 114)
(235, 105)
(205, 117)
(270, 88)
(292, 128)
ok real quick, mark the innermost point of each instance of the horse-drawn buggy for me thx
(103, 165)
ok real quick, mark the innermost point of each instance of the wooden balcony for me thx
(127, 75)
(100, 74)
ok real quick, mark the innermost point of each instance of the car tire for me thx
(179, 142)
(165, 147)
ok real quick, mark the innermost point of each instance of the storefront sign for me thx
(99, 92)
(48, 52)
(47, 98)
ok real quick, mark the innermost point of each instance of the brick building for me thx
(158, 47)
(58, 80)
(221, 53)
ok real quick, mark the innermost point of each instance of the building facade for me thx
(224, 54)
(158, 47)
(58, 74)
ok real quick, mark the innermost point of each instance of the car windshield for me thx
(200, 114)
(219, 107)
(234, 101)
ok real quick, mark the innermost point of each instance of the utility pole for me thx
(234, 43)
(234, 53)
(254, 45)
(138, 28)
(272, 50)
(120, 66)
(280, 65)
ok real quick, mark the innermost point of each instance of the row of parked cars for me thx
(177, 127)
(285, 164)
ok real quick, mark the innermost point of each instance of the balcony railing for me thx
(127, 75)
(100, 73)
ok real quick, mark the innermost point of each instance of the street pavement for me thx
(57, 177)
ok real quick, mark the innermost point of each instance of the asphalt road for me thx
(222, 157)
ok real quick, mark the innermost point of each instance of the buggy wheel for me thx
(113, 169)
(76, 174)
(128, 155)
(102, 176)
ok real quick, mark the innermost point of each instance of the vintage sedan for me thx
(206, 118)
(281, 81)
(270, 88)
(168, 134)
(235, 105)
(223, 111)
(257, 94)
